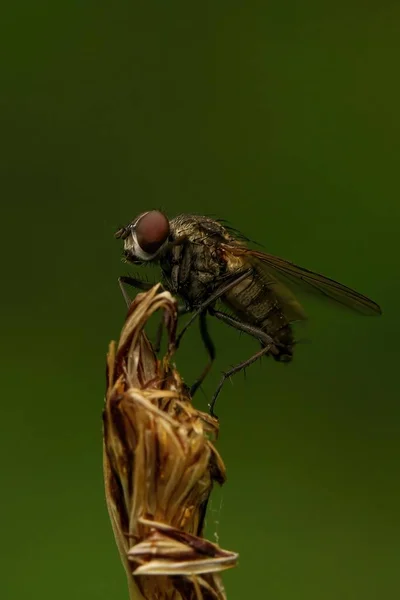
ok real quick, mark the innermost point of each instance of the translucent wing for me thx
(281, 270)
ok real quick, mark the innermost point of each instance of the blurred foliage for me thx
(282, 118)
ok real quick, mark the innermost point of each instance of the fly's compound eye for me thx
(152, 231)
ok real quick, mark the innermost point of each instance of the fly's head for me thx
(145, 237)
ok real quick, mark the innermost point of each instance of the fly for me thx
(204, 261)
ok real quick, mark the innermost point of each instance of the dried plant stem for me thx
(159, 467)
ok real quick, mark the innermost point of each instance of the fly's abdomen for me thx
(254, 303)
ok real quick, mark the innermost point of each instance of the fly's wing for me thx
(280, 270)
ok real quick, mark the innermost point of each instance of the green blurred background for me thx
(282, 117)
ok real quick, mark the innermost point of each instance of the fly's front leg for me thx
(145, 286)
(182, 309)
(180, 262)
(123, 281)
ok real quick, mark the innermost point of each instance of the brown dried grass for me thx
(159, 466)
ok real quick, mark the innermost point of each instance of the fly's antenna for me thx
(122, 233)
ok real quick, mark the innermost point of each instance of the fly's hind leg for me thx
(252, 330)
(231, 372)
(268, 345)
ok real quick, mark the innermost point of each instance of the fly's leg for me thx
(265, 339)
(145, 286)
(209, 345)
(182, 310)
(252, 330)
(231, 372)
(223, 289)
(133, 282)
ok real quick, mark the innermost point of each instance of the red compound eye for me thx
(152, 230)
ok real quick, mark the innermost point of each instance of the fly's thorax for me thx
(234, 263)
(193, 270)
(197, 228)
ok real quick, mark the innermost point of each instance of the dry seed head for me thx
(159, 466)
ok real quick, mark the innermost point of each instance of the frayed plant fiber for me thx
(159, 466)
